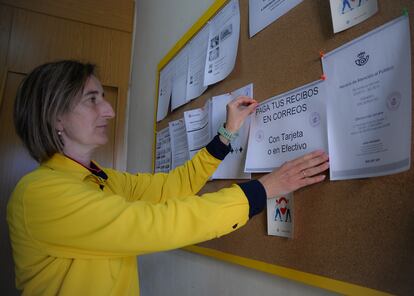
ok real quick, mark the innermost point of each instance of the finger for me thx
(314, 170)
(313, 162)
(250, 109)
(302, 159)
(243, 101)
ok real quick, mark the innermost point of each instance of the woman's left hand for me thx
(237, 112)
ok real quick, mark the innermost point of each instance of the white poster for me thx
(164, 91)
(197, 64)
(348, 13)
(232, 166)
(179, 80)
(163, 151)
(197, 124)
(280, 216)
(287, 126)
(223, 43)
(264, 12)
(369, 106)
(179, 145)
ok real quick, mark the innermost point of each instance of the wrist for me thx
(226, 134)
(263, 181)
(224, 140)
(230, 128)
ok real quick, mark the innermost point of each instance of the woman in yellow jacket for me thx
(76, 228)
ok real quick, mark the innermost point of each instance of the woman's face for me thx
(84, 128)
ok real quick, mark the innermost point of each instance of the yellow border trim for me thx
(288, 273)
(154, 143)
(176, 48)
(191, 32)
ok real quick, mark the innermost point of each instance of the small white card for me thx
(348, 13)
(280, 215)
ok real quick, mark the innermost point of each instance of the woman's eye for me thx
(93, 100)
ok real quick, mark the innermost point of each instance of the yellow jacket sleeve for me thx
(185, 180)
(73, 219)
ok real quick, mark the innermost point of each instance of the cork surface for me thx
(357, 231)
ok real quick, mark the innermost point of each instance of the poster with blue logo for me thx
(348, 13)
(369, 106)
(280, 215)
(287, 126)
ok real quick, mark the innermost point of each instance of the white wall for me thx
(159, 25)
(180, 273)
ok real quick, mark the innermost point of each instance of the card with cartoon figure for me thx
(280, 215)
(348, 13)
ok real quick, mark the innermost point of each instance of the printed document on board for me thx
(222, 43)
(197, 124)
(369, 106)
(164, 90)
(179, 79)
(348, 13)
(232, 166)
(264, 12)
(163, 151)
(197, 64)
(202, 124)
(287, 126)
(179, 145)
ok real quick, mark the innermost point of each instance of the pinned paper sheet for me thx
(348, 13)
(223, 43)
(280, 215)
(264, 12)
(369, 105)
(163, 151)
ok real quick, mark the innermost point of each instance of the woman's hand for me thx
(237, 112)
(295, 174)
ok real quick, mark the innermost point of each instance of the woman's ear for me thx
(59, 124)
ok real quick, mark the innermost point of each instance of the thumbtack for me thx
(321, 54)
(323, 77)
(405, 11)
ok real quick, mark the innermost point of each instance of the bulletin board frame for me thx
(362, 280)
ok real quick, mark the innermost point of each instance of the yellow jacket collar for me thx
(60, 162)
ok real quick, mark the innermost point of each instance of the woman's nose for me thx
(107, 110)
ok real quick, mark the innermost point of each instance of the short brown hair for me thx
(49, 91)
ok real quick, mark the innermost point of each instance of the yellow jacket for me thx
(69, 237)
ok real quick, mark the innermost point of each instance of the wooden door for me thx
(35, 32)
(15, 162)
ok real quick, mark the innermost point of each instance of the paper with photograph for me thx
(264, 12)
(369, 106)
(223, 42)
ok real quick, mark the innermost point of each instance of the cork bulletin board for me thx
(356, 232)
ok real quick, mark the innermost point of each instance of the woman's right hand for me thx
(237, 112)
(295, 174)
